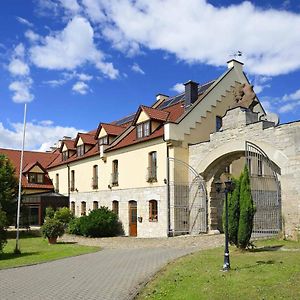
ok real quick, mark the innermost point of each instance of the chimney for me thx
(66, 138)
(191, 92)
(159, 99)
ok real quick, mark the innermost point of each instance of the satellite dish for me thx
(272, 117)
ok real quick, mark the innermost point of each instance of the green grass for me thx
(35, 249)
(271, 271)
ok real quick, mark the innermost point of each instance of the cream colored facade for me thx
(195, 126)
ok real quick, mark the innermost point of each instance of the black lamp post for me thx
(229, 187)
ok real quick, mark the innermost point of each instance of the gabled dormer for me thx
(67, 149)
(35, 173)
(83, 143)
(147, 120)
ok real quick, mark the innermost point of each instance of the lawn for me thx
(35, 249)
(271, 271)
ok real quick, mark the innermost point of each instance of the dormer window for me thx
(65, 155)
(143, 129)
(80, 150)
(36, 178)
(103, 140)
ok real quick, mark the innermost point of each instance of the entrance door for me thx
(132, 218)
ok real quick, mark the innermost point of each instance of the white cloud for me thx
(80, 87)
(21, 90)
(18, 67)
(22, 83)
(136, 68)
(38, 136)
(32, 36)
(71, 5)
(24, 21)
(178, 88)
(84, 77)
(293, 96)
(199, 32)
(55, 82)
(288, 107)
(71, 48)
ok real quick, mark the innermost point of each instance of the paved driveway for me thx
(108, 274)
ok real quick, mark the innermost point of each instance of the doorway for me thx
(132, 218)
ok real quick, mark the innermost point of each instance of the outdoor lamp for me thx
(229, 187)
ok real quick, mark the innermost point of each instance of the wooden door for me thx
(132, 218)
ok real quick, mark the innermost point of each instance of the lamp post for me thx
(229, 187)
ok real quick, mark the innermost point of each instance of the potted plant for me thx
(52, 229)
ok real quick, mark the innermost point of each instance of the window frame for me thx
(115, 207)
(115, 173)
(72, 207)
(80, 150)
(95, 205)
(143, 129)
(83, 208)
(72, 183)
(103, 140)
(95, 177)
(153, 210)
(152, 166)
(65, 155)
(34, 178)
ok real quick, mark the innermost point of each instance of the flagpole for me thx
(17, 249)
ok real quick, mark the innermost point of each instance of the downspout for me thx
(68, 181)
(168, 192)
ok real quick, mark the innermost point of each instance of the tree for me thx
(247, 211)
(240, 212)
(3, 224)
(234, 213)
(8, 188)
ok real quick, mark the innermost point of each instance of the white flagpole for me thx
(20, 181)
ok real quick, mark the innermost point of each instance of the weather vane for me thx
(238, 53)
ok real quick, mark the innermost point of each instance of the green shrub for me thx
(3, 225)
(49, 212)
(247, 211)
(52, 228)
(63, 215)
(100, 222)
(74, 226)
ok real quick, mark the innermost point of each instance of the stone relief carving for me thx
(244, 96)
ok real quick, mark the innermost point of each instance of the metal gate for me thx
(187, 199)
(266, 192)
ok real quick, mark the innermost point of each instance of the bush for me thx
(63, 215)
(52, 228)
(247, 211)
(100, 222)
(3, 225)
(49, 212)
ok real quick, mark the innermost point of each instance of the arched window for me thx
(83, 208)
(153, 211)
(73, 208)
(95, 205)
(115, 207)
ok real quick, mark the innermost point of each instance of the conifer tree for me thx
(247, 211)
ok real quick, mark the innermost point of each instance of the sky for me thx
(80, 62)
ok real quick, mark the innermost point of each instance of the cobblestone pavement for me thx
(117, 272)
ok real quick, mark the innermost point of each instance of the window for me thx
(72, 208)
(152, 167)
(36, 178)
(103, 140)
(83, 208)
(218, 123)
(115, 173)
(228, 169)
(115, 207)
(143, 130)
(80, 150)
(153, 211)
(95, 177)
(95, 205)
(249, 165)
(65, 155)
(259, 167)
(72, 181)
(57, 183)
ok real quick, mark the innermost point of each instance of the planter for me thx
(52, 240)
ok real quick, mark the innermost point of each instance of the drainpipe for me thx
(68, 181)
(168, 191)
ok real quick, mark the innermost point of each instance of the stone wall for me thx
(281, 144)
(145, 228)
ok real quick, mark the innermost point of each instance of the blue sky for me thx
(81, 62)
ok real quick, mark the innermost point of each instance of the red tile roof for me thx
(87, 138)
(69, 144)
(156, 114)
(113, 129)
(29, 160)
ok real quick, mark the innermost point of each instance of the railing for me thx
(95, 183)
(115, 179)
(151, 174)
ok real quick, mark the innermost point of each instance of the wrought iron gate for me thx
(266, 192)
(187, 199)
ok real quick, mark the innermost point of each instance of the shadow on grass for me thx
(267, 248)
(66, 243)
(24, 234)
(7, 256)
(258, 263)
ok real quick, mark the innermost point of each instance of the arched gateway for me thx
(269, 153)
